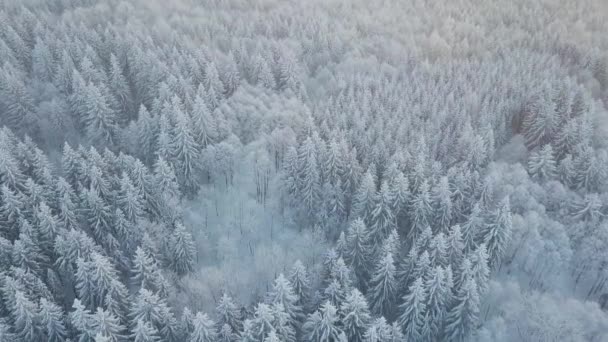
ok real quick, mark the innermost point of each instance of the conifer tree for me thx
(355, 316)
(413, 311)
(182, 250)
(382, 290)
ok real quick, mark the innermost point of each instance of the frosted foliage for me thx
(316, 171)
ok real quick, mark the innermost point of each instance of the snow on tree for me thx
(98, 117)
(480, 269)
(363, 203)
(185, 151)
(129, 199)
(542, 165)
(442, 204)
(497, 232)
(146, 273)
(379, 331)
(382, 218)
(462, 320)
(204, 329)
(438, 301)
(439, 250)
(355, 316)
(204, 124)
(323, 324)
(310, 186)
(455, 244)
(82, 320)
(107, 325)
(382, 287)
(144, 332)
(25, 319)
(421, 210)
(282, 293)
(300, 281)
(413, 311)
(228, 313)
(182, 251)
(260, 326)
(10, 212)
(358, 251)
(471, 229)
(51, 317)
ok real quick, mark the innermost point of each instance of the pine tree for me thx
(10, 212)
(382, 219)
(358, 251)
(146, 273)
(363, 205)
(382, 290)
(421, 210)
(118, 85)
(355, 316)
(228, 313)
(379, 331)
(185, 151)
(98, 117)
(25, 319)
(455, 244)
(282, 293)
(182, 250)
(51, 317)
(439, 298)
(472, 228)
(497, 233)
(82, 320)
(204, 125)
(310, 186)
(301, 283)
(322, 325)
(105, 324)
(541, 164)
(413, 311)
(442, 204)
(480, 269)
(258, 328)
(462, 319)
(10, 174)
(144, 332)
(204, 330)
(129, 199)
(439, 251)
(400, 194)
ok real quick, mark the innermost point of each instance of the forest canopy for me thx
(321, 170)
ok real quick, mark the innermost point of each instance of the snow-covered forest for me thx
(319, 170)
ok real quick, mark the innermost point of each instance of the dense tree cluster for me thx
(455, 167)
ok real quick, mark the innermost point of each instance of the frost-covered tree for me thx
(497, 232)
(364, 200)
(382, 287)
(542, 165)
(282, 293)
(358, 250)
(413, 311)
(463, 318)
(182, 251)
(52, 319)
(144, 332)
(382, 218)
(323, 324)
(228, 314)
(203, 329)
(355, 316)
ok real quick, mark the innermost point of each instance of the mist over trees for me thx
(323, 171)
